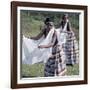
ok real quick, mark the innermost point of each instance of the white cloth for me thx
(61, 34)
(31, 54)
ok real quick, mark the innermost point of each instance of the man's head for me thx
(50, 25)
(65, 17)
(47, 20)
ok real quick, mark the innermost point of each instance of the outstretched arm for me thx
(38, 36)
(51, 44)
(45, 46)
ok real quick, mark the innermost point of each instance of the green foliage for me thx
(31, 21)
(30, 27)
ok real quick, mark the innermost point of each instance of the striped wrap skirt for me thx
(56, 64)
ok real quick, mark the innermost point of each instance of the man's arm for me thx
(69, 26)
(45, 46)
(38, 36)
(51, 44)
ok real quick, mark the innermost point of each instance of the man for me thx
(44, 31)
(71, 45)
(55, 65)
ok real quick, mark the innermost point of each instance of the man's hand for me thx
(32, 38)
(51, 56)
(60, 47)
(40, 47)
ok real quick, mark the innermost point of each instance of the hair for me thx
(64, 16)
(47, 20)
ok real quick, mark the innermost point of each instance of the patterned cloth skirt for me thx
(56, 64)
(71, 49)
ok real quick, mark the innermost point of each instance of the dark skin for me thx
(45, 46)
(62, 23)
(49, 27)
(49, 45)
(38, 36)
(41, 33)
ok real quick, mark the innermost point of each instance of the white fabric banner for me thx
(31, 54)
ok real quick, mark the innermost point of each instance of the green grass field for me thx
(37, 70)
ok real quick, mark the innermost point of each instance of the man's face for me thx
(65, 18)
(47, 23)
(50, 26)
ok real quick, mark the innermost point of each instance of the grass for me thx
(73, 70)
(37, 70)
